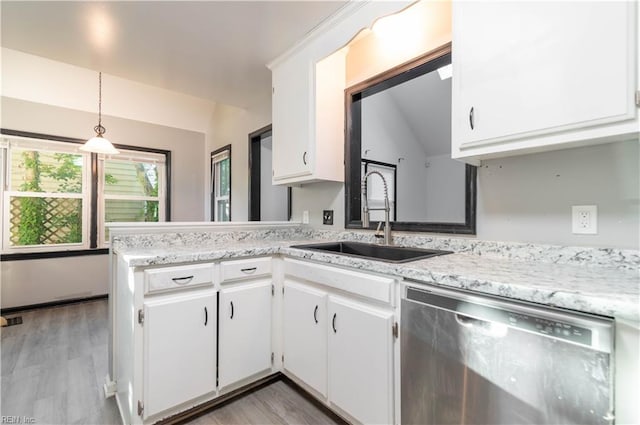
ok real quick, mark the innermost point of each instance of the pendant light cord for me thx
(99, 129)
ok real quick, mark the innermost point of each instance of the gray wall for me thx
(444, 187)
(37, 281)
(187, 147)
(387, 137)
(528, 198)
(273, 199)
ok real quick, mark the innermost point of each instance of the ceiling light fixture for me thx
(99, 144)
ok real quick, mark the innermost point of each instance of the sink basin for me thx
(391, 254)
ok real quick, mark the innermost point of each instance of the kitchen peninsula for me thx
(258, 258)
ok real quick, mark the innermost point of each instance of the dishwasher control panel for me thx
(552, 328)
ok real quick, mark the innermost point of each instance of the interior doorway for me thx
(266, 201)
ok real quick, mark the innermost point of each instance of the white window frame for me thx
(42, 145)
(131, 155)
(215, 182)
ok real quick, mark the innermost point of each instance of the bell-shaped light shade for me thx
(99, 144)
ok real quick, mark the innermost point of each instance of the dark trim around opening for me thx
(213, 182)
(353, 95)
(254, 174)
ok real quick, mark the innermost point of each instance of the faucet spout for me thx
(366, 209)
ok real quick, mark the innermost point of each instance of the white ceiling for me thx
(216, 50)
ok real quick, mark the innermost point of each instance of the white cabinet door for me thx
(245, 331)
(526, 69)
(179, 349)
(361, 360)
(305, 334)
(292, 96)
(308, 118)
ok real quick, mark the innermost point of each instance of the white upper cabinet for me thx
(308, 97)
(531, 76)
(292, 90)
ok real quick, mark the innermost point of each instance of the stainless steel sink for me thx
(390, 254)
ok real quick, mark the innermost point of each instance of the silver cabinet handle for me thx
(182, 280)
(304, 158)
(249, 270)
(471, 118)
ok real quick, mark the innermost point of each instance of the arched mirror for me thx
(399, 124)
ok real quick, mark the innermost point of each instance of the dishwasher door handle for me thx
(469, 322)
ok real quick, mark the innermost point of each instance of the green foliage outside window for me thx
(40, 220)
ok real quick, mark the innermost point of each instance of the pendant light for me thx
(99, 144)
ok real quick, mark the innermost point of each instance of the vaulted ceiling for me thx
(216, 50)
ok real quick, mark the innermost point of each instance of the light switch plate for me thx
(305, 217)
(584, 219)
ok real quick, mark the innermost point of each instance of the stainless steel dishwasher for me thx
(469, 359)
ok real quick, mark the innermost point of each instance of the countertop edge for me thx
(559, 298)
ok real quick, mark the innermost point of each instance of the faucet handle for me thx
(377, 234)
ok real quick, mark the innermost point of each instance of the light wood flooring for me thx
(54, 364)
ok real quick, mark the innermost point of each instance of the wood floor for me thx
(54, 364)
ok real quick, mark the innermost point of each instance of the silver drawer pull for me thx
(249, 270)
(182, 280)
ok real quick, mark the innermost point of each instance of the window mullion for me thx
(93, 225)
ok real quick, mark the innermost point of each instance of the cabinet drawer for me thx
(172, 278)
(243, 269)
(372, 286)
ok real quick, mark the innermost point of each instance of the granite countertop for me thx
(609, 291)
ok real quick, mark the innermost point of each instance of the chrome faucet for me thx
(366, 209)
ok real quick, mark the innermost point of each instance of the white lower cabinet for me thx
(340, 344)
(245, 331)
(304, 324)
(360, 347)
(189, 333)
(179, 331)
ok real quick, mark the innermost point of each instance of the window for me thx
(46, 190)
(132, 186)
(221, 184)
(45, 197)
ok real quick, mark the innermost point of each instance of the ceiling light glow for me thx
(101, 28)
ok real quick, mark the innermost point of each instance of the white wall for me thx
(40, 80)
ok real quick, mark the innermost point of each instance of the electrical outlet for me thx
(327, 217)
(305, 217)
(584, 219)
